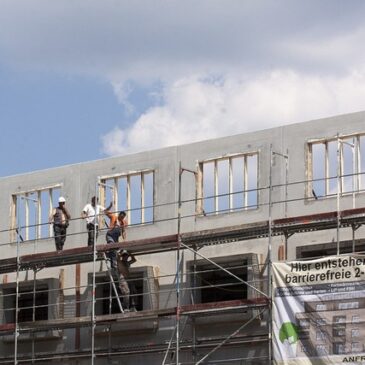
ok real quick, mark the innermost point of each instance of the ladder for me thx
(109, 269)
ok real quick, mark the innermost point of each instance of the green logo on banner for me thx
(288, 332)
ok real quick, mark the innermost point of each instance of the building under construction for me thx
(205, 223)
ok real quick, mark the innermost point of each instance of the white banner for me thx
(319, 311)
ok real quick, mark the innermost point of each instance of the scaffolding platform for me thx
(285, 226)
(85, 321)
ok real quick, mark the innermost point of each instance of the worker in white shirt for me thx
(91, 213)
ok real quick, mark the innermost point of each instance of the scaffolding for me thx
(173, 349)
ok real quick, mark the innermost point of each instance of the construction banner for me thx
(319, 311)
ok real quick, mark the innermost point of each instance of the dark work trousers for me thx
(112, 255)
(91, 233)
(59, 235)
(128, 290)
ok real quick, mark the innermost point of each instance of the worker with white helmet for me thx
(60, 219)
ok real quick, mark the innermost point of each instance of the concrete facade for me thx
(77, 185)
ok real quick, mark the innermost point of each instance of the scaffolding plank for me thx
(242, 232)
(75, 322)
(229, 304)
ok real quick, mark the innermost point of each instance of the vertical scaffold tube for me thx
(93, 319)
(338, 192)
(178, 270)
(269, 259)
(16, 332)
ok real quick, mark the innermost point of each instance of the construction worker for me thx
(125, 260)
(60, 219)
(117, 225)
(91, 213)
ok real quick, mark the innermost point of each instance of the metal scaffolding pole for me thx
(93, 314)
(338, 192)
(269, 256)
(223, 269)
(286, 182)
(340, 184)
(18, 230)
(35, 271)
(354, 228)
(168, 347)
(33, 312)
(178, 263)
(178, 269)
(175, 327)
(228, 338)
(193, 324)
(16, 331)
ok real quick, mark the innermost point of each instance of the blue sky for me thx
(88, 79)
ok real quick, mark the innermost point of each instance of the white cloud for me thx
(122, 91)
(335, 52)
(144, 42)
(198, 108)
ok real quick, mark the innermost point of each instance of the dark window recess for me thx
(105, 296)
(25, 304)
(217, 285)
(339, 332)
(303, 334)
(339, 320)
(328, 249)
(339, 348)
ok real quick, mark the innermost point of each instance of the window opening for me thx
(348, 305)
(229, 184)
(304, 323)
(323, 165)
(355, 319)
(320, 321)
(223, 171)
(25, 304)
(328, 249)
(339, 332)
(321, 307)
(321, 350)
(356, 347)
(208, 187)
(135, 199)
(133, 193)
(339, 348)
(339, 319)
(252, 183)
(31, 211)
(320, 335)
(215, 285)
(104, 292)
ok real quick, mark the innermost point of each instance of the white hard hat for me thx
(124, 252)
(61, 199)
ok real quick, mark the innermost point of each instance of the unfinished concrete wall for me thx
(78, 185)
